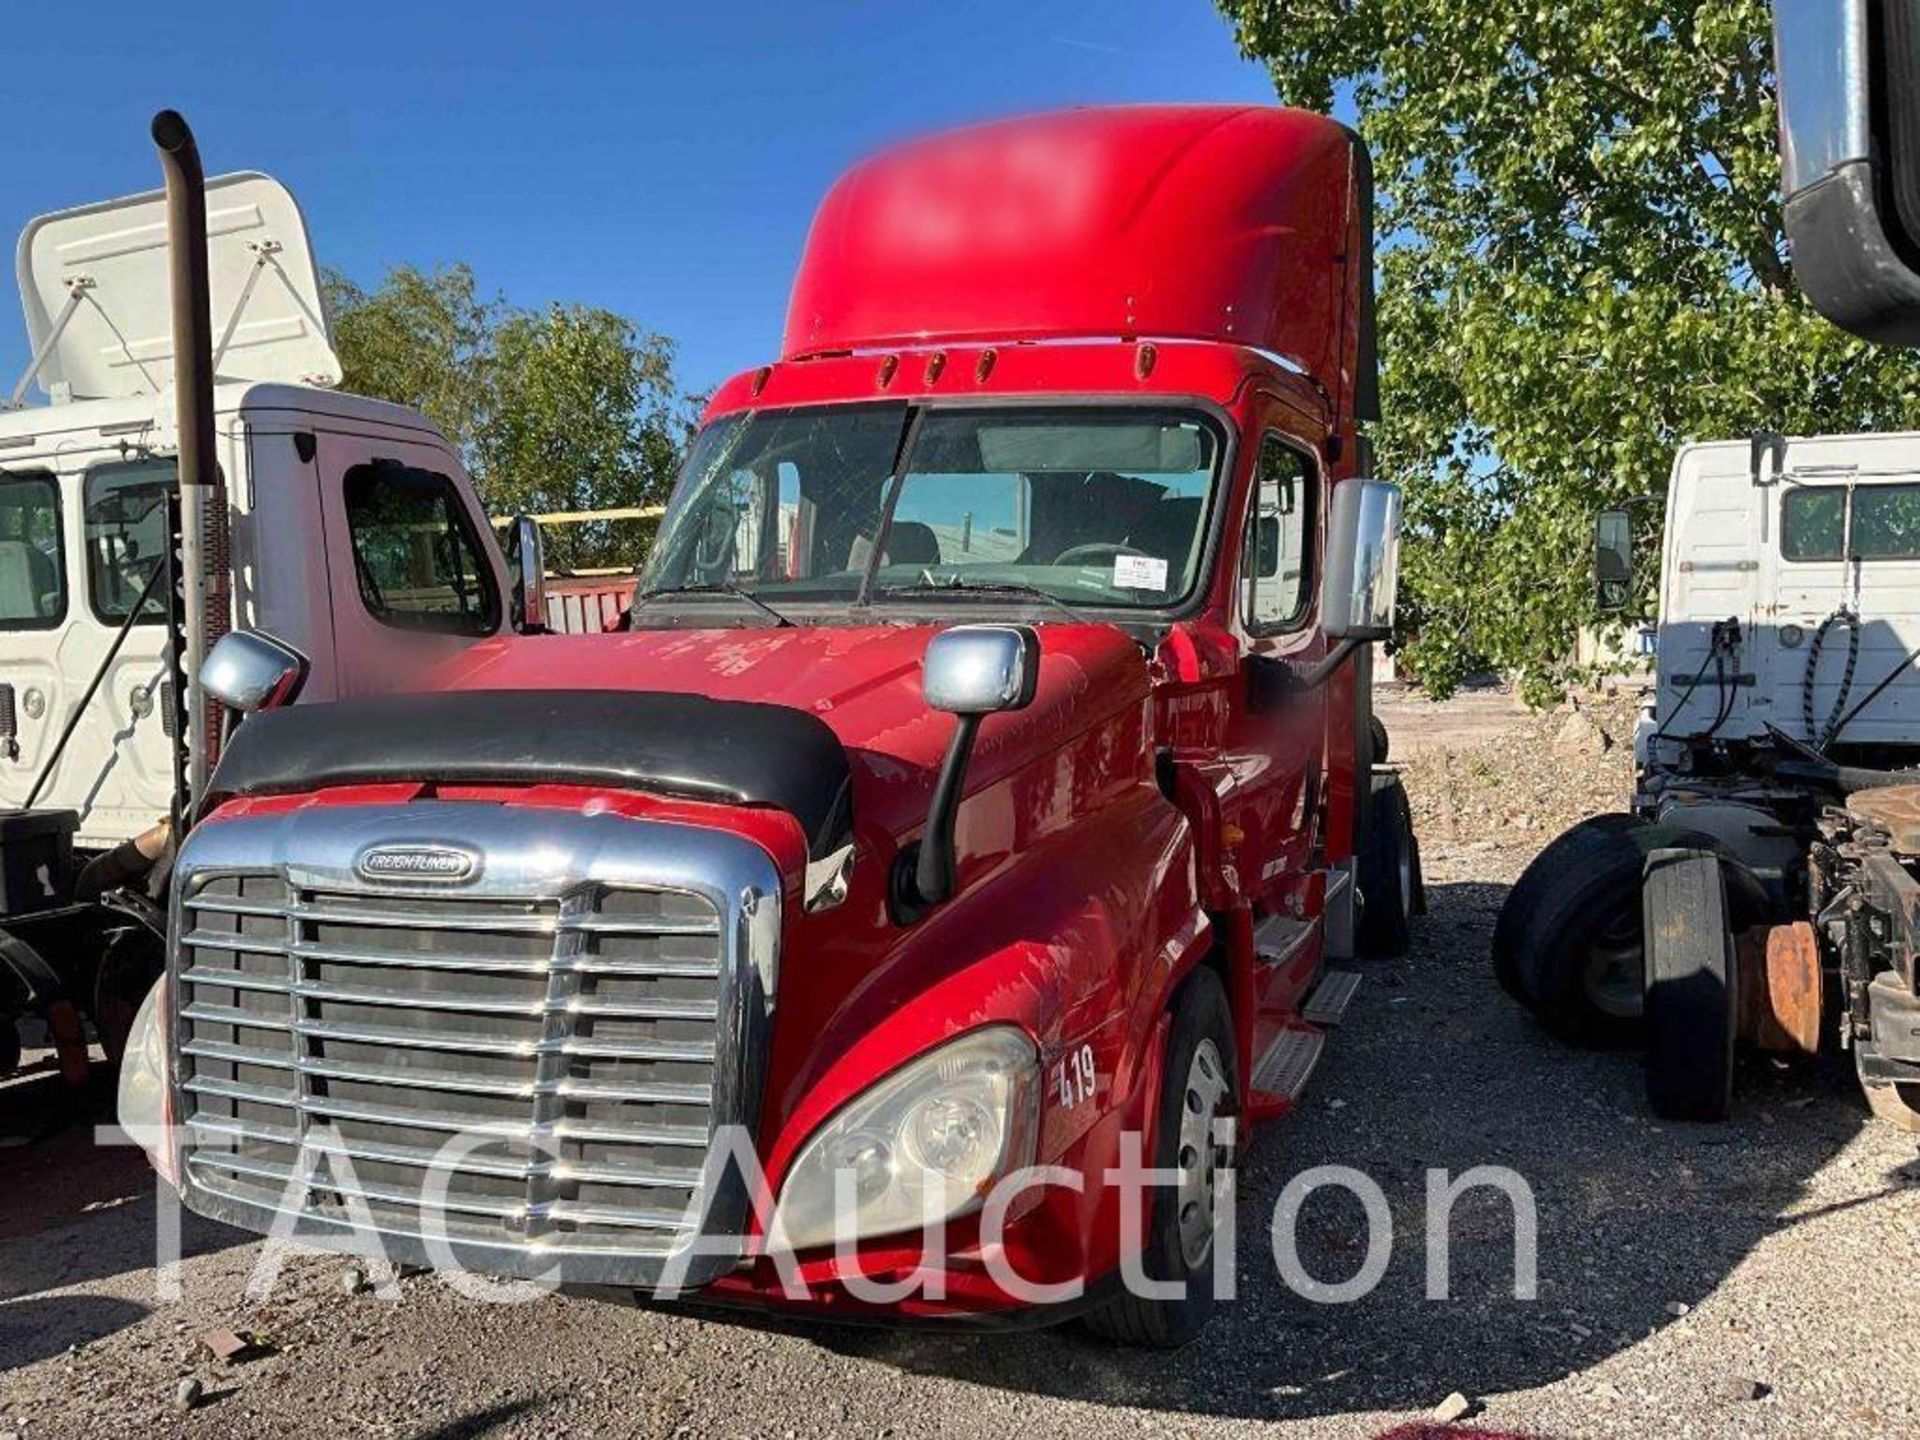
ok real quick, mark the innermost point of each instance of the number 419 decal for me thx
(1075, 1077)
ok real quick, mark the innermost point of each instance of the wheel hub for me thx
(1201, 1156)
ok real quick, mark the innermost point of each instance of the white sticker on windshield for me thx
(1139, 572)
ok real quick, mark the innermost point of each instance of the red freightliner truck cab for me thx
(978, 782)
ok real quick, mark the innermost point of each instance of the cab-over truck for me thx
(981, 774)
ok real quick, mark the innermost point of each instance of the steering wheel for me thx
(1094, 551)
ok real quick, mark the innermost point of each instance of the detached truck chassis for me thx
(1763, 890)
(979, 779)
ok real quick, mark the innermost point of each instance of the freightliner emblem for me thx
(417, 862)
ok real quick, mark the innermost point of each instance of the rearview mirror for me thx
(1361, 581)
(1612, 560)
(248, 671)
(1849, 83)
(527, 567)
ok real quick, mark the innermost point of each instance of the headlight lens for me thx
(143, 1081)
(923, 1145)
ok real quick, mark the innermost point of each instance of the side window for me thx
(1813, 522)
(33, 565)
(126, 538)
(1276, 565)
(417, 560)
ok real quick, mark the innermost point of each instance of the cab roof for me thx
(1244, 225)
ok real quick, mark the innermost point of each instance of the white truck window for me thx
(126, 538)
(1879, 522)
(33, 568)
(418, 563)
(1277, 561)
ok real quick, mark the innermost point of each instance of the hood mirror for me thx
(248, 671)
(980, 669)
(527, 569)
(972, 671)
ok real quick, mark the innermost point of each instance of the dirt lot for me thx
(1684, 1271)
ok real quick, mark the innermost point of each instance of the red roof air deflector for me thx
(1233, 224)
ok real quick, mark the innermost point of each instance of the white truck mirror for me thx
(1361, 580)
(1850, 160)
(1612, 560)
(527, 568)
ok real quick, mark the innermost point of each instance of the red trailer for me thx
(981, 779)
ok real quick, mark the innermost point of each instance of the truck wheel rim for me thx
(1201, 1156)
(1613, 979)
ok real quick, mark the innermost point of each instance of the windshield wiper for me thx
(717, 587)
(927, 585)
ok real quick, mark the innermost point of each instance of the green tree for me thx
(569, 408)
(1582, 267)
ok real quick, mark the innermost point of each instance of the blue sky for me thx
(659, 159)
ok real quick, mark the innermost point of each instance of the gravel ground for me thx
(1683, 1271)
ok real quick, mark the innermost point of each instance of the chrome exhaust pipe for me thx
(205, 586)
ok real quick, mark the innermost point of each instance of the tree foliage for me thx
(1582, 267)
(564, 409)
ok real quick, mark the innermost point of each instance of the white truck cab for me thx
(354, 533)
(1811, 545)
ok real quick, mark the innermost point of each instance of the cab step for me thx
(1288, 1064)
(1278, 938)
(1327, 1005)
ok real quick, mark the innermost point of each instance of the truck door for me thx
(76, 552)
(1276, 744)
(413, 576)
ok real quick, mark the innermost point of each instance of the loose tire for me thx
(1377, 735)
(1197, 1087)
(1546, 871)
(1568, 944)
(1691, 1004)
(1391, 890)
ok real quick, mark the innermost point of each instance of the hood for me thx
(863, 682)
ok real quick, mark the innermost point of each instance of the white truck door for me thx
(1715, 515)
(68, 583)
(414, 574)
(37, 596)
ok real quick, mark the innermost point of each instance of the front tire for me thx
(1197, 1088)
(1391, 891)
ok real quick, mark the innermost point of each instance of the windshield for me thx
(1093, 507)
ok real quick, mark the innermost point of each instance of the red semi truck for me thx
(984, 774)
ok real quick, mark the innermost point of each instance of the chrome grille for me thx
(580, 1048)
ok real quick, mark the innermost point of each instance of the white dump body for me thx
(1827, 523)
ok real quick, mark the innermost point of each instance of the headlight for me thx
(143, 1083)
(923, 1145)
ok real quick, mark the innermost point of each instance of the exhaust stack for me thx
(204, 585)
